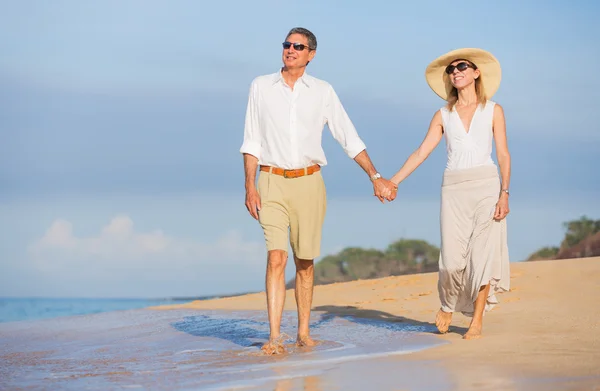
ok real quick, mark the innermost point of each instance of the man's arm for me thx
(250, 166)
(341, 127)
(252, 137)
(251, 150)
(345, 134)
(382, 188)
(364, 161)
(252, 197)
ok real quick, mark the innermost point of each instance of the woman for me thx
(473, 262)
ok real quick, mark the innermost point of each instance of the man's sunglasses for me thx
(297, 46)
(461, 66)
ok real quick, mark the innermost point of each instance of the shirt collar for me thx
(305, 78)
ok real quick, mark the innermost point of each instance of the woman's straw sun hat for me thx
(491, 73)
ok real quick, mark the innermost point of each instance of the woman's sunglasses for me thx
(461, 66)
(297, 46)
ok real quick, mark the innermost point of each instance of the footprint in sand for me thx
(369, 282)
(414, 296)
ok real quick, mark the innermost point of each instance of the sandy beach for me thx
(374, 335)
(546, 327)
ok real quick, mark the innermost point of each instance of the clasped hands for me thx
(384, 189)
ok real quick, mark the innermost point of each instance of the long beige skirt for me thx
(474, 249)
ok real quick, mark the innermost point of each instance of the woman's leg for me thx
(476, 325)
(455, 227)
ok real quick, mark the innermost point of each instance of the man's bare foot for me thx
(305, 341)
(442, 321)
(270, 348)
(474, 332)
(275, 345)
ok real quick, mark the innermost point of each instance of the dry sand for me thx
(547, 326)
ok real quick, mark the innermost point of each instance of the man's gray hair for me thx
(312, 40)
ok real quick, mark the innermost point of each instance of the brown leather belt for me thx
(295, 173)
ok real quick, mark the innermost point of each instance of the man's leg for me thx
(275, 287)
(306, 224)
(274, 220)
(305, 273)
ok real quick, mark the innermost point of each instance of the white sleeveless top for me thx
(472, 148)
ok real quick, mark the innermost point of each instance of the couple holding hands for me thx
(285, 118)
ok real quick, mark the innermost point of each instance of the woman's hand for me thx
(501, 207)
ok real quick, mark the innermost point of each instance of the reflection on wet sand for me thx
(308, 383)
(187, 349)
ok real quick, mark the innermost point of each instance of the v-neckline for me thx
(462, 124)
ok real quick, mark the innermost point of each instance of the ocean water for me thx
(19, 309)
(183, 349)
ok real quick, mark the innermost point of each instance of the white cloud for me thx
(196, 252)
(119, 245)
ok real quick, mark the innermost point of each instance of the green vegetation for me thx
(577, 230)
(409, 256)
(582, 239)
(544, 253)
(405, 256)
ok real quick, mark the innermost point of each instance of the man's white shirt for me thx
(284, 127)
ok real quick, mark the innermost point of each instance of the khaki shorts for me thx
(292, 211)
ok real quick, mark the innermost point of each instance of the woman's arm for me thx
(503, 156)
(499, 127)
(432, 139)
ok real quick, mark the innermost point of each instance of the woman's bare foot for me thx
(443, 320)
(305, 341)
(474, 332)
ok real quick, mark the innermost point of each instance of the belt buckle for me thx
(285, 173)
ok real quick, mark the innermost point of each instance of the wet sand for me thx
(544, 334)
(216, 350)
(375, 335)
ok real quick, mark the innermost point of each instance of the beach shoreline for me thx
(546, 327)
(375, 334)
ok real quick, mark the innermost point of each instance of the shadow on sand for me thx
(239, 331)
(245, 331)
(380, 319)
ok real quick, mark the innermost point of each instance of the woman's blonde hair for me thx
(479, 90)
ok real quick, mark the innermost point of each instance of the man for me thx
(285, 117)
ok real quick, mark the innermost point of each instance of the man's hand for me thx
(501, 207)
(253, 202)
(384, 189)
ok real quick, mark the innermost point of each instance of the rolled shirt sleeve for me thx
(252, 141)
(341, 126)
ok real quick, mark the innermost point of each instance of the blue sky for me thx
(121, 124)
